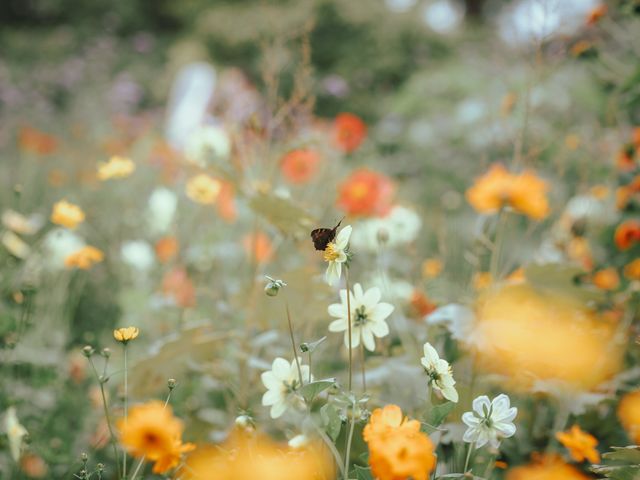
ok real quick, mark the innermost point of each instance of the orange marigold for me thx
(627, 234)
(606, 279)
(300, 166)
(349, 132)
(546, 467)
(366, 193)
(581, 445)
(67, 214)
(632, 270)
(167, 248)
(629, 414)
(84, 258)
(34, 141)
(596, 14)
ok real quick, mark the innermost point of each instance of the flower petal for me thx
(480, 404)
(342, 239)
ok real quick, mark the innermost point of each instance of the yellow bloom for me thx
(546, 467)
(67, 214)
(606, 279)
(581, 445)
(632, 270)
(116, 167)
(629, 414)
(84, 258)
(498, 188)
(482, 280)
(125, 334)
(432, 267)
(203, 189)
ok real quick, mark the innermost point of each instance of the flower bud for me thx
(88, 351)
(106, 352)
(171, 383)
(245, 422)
(84, 458)
(271, 289)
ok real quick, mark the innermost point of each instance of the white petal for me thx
(372, 297)
(337, 310)
(430, 354)
(270, 381)
(501, 403)
(355, 338)
(480, 402)
(469, 419)
(506, 429)
(382, 311)
(450, 393)
(339, 325)
(357, 294)
(271, 397)
(483, 438)
(506, 416)
(342, 239)
(367, 339)
(280, 369)
(333, 273)
(471, 435)
(379, 328)
(278, 409)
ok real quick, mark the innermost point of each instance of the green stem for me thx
(293, 344)
(126, 407)
(349, 328)
(364, 375)
(347, 453)
(497, 247)
(466, 462)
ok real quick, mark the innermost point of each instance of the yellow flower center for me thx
(331, 253)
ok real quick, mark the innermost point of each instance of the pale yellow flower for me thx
(116, 167)
(203, 189)
(125, 334)
(67, 214)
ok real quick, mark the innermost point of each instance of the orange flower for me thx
(67, 214)
(596, 14)
(167, 248)
(629, 414)
(300, 166)
(635, 137)
(482, 280)
(421, 304)
(581, 445)
(177, 285)
(226, 206)
(546, 467)
(366, 193)
(498, 188)
(581, 47)
(258, 246)
(632, 270)
(625, 160)
(397, 448)
(627, 234)
(349, 132)
(84, 258)
(432, 267)
(33, 465)
(578, 250)
(606, 279)
(35, 141)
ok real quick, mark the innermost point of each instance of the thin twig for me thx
(293, 344)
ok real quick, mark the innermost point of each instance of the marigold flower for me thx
(125, 334)
(349, 132)
(258, 246)
(581, 445)
(167, 248)
(34, 141)
(397, 448)
(67, 214)
(116, 167)
(546, 467)
(498, 188)
(629, 414)
(627, 234)
(203, 189)
(421, 304)
(300, 166)
(84, 258)
(366, 193)
(632, 270)
(606, 279)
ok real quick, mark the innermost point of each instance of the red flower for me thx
(300, 166)
(627, 234)
(366, 193)
(349, 132)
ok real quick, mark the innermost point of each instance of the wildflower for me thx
(207, 143)
(138, 254)
(337, 253)
(482, 280)
(125, 334)
(543, 467)
(397, 448)
(67, 214)
(365, 193)
(152, 432)
(399, 226)
(258, 247)
(625, 159)
(606, 279)
(21, 224)
(349, 132)
(203, 189)
(629, 414)
(421, 304)
(116, 167)
(34, 466)
(34, 141)
(300, 166)
(632, 270)
(490, 421)
(432, 267)
(15, 433)
(439, 372)
(166, 248)
(596, 14)
(282, 383)
(581, 445)
(627, 234)
(84, 258)
(498, 188)
(368, 316)
(225, 205)
(177, 285)
(15, 245)
(162, 208)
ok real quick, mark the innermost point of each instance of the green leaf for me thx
(630, 454)
(331, 420)
(363, 473)
(438, 413)
(624, 472)
(311, 390)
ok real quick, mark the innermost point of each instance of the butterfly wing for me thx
(321, 237)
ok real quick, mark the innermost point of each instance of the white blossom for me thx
(439, 371)
(162, 208)
(282, 383)
(490, 421)
(336, 254)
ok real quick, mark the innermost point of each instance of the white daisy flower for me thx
(15, 432)
(282, 383)
(368, 316)
(336, 255)
(439, 371)
(490, 421)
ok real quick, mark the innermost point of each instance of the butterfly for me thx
(322, 236)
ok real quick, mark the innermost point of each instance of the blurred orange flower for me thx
(397, 448)
(84, 258)
(546, 467)
(626, 193)
(421, 304)
(498, 188)
(581, 445)
(33, 466)
(300, 166)
(625, 160)
(366, 193)
(432, 267)
(349, 132)
(632, 270)
(482, 280)
(606, 279)
(34, 141)
(258, 246)
(167, 248)
(116, 167)
(596, 14)
(629, 414)
(627, 234)
(226, 206)
(67, 214)
(177, 285)
(203, 189)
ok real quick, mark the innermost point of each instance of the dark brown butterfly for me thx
(322, 236)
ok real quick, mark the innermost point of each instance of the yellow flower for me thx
(67, 214)
(546, 467)
(581, 445)
(203, 189)
(432, 267)
(632, 270)
(606, 279)
(116, 167)
(482, 280)
(84, 258)
(125, 334)
(498, 188)
(152, 432)
(629, 414)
